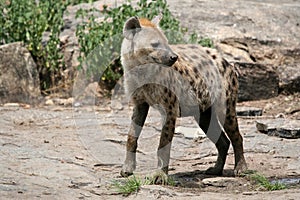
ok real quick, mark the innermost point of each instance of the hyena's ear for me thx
(157, 19)
(131, 27)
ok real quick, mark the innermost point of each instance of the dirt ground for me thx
(65, 152)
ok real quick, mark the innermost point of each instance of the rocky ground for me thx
(76, 152)
(61, 151)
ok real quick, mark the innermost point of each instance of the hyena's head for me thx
(144, 43)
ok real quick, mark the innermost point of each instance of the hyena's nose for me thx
(173, 58)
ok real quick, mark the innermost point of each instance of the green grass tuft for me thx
(265, 183)
(133, 183)
(262, 181)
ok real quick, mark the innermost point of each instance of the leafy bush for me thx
(27, 21)
(100, 41)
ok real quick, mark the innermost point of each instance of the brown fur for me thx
(146, 23)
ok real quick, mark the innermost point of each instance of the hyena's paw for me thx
(240, 167)
(125, 174)
(127, 170)
(160, 177)
(214, 171)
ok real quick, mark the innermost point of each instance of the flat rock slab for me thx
(248, 111)
(219, 181)
(279, 127)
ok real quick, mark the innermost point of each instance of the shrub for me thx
(100, 41)
(27, 21)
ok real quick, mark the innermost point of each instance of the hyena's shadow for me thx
(193, 179)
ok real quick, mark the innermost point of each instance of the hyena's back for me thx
(199, 78)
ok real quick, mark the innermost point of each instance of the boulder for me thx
(235, 50)
(256, 81)
(19, 78)
(289, 71)
(289, 78)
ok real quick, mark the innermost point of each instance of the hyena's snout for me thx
(165, 57)
(173, 58)
(170, 58)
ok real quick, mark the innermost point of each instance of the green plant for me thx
(27, 21)
(100, 41)
(53, 58)
(265, 183)
(134, 183)
(262, 181)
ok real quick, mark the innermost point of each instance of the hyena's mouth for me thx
(167, 63)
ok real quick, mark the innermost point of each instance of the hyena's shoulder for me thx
(198, 59)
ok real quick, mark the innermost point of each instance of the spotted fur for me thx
(178, 80)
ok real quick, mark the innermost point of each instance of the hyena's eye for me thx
(155, 44)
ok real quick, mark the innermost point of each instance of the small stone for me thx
(11, 105)
(26, 106)
(280, 115)
(190, 132)
(116, 105)
(248, 111)
(77, 104)
(249, 193)
(79, 158)
(49, 102)
(47, 193)
(69, 101)
(272, 152)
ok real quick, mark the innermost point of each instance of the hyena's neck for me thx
(129, 62)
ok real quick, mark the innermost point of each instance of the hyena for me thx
(178, 80)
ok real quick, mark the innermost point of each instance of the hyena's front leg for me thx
(164, 148)
(138, 118)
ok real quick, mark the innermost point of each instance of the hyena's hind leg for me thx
(138, 119)
(209, 123)
(232, 129)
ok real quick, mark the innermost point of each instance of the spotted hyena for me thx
(178, 80)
